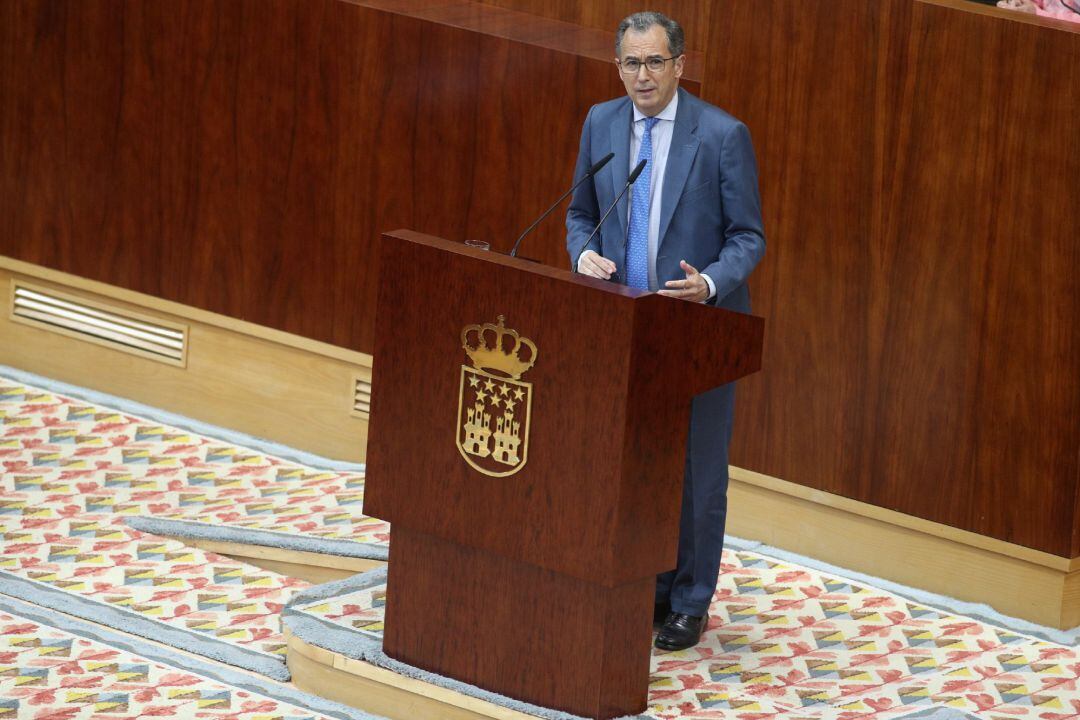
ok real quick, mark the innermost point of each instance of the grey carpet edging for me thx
(215, 432)
(186, 663)
(939, 713)
(976, 611)
(336, 588)
(354, 644)
(359, 646)
(46, 596)
(195, 530)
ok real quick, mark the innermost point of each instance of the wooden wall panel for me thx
(917, 159)
(241, 157)
(919, 285)
(693, 15)
(538, 30)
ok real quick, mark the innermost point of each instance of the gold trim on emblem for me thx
(494, 405)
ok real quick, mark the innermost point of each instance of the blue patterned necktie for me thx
(637, 244)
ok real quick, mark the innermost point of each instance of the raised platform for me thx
(266, 383)
(315, 568)
(380, 691)
(236, 375)
(1012, 579)
(784, 640)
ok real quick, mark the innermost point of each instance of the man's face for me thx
(650, 91)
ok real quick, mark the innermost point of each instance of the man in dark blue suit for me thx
(691, 229)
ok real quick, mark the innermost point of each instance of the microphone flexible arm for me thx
(592, 171)
(629, 181)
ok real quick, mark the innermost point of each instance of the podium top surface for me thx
(517, 263)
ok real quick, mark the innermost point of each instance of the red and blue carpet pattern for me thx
(47, 673)
(784, 640)
(792, 642)
(84, 458)
(95, 560)
(74, 474)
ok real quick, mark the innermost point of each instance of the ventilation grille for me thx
(98, 323)
(361, 397)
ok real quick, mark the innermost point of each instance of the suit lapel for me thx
(684, 146)
(620, 164)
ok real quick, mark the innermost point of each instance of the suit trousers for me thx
(690, 586)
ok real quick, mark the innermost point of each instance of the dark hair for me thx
(642, 21)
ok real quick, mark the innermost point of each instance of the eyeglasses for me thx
(631, 66)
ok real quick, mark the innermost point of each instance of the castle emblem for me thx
(494, 405)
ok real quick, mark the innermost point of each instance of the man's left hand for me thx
(693, 288)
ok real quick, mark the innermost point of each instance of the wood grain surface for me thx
(918, 173)
(242, 157)
(693, 15)
(918, 164)
(608, 428)
(536, 584)
(539, 26)
(518, 630)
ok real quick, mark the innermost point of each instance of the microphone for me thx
(629, 181)
(592, 171)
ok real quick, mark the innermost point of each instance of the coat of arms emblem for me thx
(494, 405)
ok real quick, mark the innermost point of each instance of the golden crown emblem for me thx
(498, 348)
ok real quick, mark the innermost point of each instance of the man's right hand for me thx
(594, 265)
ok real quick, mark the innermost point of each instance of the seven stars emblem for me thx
(494, 404)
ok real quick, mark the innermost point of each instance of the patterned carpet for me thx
(75, 475)
(75, 455)
(47, 673)
(784, 640)
(57, 667)
(788, 641)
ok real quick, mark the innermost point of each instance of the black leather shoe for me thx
(681, 631)
(660, 612)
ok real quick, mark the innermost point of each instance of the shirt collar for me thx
(668, 113)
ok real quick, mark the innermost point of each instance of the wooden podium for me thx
(527, 443)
